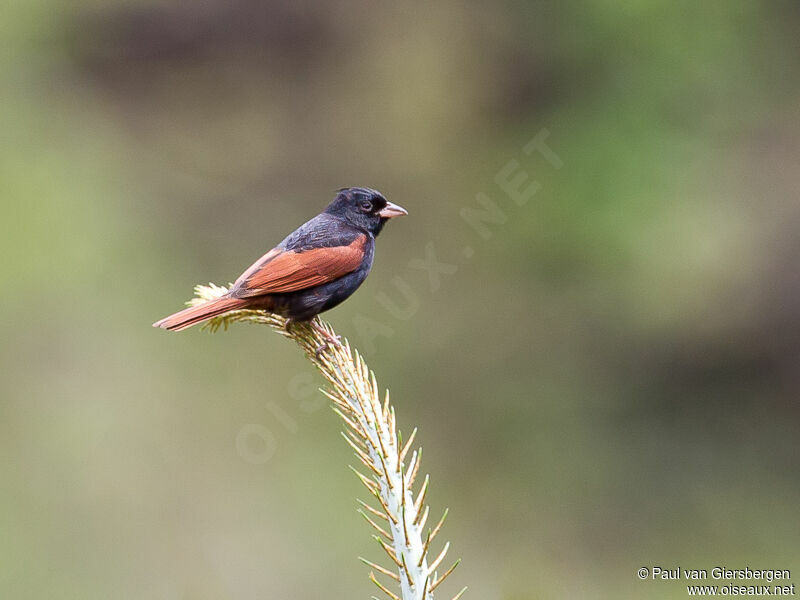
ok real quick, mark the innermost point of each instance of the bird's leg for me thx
(330, 340)
(287, 326)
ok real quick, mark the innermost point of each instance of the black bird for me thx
(315, 268)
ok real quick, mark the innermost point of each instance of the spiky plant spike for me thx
(371, 432)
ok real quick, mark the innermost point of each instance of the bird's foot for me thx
(330, 340)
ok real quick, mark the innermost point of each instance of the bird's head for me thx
(364, 208)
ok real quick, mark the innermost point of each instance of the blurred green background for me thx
(610, 382)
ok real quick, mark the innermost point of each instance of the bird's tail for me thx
(197, 314)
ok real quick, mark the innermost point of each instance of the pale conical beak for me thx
(392, 210)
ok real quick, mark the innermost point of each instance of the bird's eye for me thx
(366, 206)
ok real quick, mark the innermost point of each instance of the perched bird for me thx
(315, 268)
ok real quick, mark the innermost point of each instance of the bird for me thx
(315, 268)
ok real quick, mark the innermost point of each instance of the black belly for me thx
(304, 305)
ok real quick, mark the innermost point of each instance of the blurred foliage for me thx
(617, 365)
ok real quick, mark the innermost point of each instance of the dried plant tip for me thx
(370, 428)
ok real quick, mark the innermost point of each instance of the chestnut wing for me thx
(281, 271)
